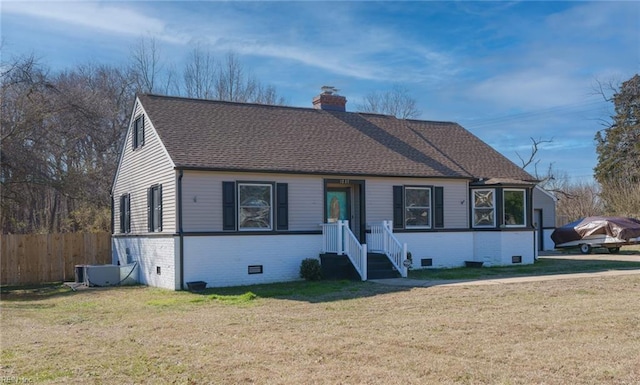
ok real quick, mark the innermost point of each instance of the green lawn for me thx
(578, 331)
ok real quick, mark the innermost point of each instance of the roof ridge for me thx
(254, 104)
(228, 102)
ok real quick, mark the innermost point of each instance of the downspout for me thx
(532, 213)
(180, 231)
(113, 230)
(112, 214)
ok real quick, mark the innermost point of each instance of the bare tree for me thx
(236, 84)
(146, 66)
(531, 159)
(268, 95)
(233, 84)
(200, 74)
(60, 139)
(396, 102)
(577, 200)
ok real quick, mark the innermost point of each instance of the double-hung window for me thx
(137, 139)
(417, 202)
(514, 208)
(125, 213)
(418, 207)
(484, 208)
(154, 208)
(255, 207)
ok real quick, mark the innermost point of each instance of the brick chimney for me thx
(329, 100)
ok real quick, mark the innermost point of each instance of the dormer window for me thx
(138, 132)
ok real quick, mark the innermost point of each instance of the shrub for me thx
(310, 269)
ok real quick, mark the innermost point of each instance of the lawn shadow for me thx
(44, 291)
(308, 291)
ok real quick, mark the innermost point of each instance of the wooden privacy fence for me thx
(39, 258)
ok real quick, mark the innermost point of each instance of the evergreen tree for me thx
(619, 148)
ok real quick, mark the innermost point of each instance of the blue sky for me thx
(507, 71)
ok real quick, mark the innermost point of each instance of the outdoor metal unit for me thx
(101, 275)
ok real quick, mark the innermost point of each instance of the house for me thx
(544, 217)
(236, 194)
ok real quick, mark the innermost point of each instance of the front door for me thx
(344, 200)
(338, 204)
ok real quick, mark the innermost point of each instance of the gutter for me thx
(112, 214)
(180, 230)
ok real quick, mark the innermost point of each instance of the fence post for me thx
(364, 262)
(404, 258)
(340, 238)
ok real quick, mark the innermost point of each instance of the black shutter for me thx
(137, 139)
(122, 214)
(150, 209)
(127, 217)
(438, 207)
(134, 135)
(398, 207)
(141, 131)
(159, 205)
(282, 206)
(228, 205)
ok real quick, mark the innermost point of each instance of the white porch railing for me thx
(383, 240)
(338, 238)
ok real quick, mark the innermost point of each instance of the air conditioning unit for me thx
(101, 275)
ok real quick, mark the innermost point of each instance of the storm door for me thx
(344, 200)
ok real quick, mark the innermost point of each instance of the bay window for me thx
(484, 208)
(514, 208)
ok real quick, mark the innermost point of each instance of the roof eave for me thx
(316, 172)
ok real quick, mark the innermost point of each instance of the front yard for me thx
(583, 331)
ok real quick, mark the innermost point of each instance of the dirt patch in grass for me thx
(560, 332)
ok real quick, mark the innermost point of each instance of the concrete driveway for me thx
(603, 256)
(635, 257)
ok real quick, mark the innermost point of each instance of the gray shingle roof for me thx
(251, 137)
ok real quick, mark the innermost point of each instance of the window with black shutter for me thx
(418, 207)
(282, 206)
(398, 207)
(438, 207)
(255, 206)
(125, 213)
(138, 132)
(154, 208)
(228, 205)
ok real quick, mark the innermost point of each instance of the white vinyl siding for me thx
(140, 169)
(202, 199)
(379, 199)
(543, 200)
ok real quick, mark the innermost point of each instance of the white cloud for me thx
(94, 16)
(385, 58)
(529, 89)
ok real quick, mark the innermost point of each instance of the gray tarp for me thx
(618, 227)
